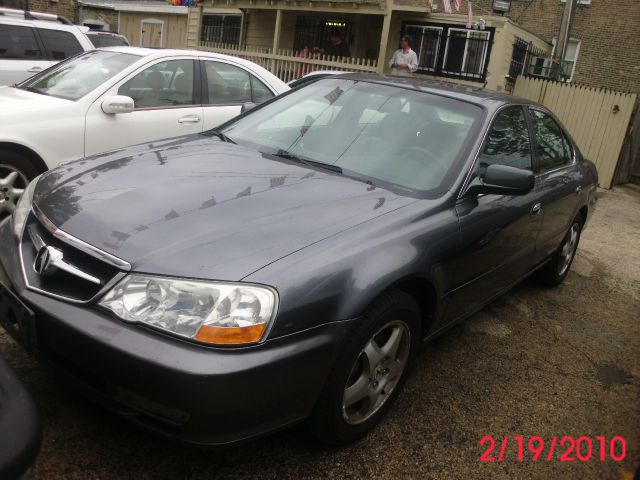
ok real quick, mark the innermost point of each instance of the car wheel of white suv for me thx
(15, 173)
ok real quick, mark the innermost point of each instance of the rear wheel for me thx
(555, 271)
(16, 171)
(370, 372)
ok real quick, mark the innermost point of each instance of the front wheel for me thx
(369, 374)
(555, 271)
(16, 171)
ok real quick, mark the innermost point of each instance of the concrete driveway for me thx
(562, 362)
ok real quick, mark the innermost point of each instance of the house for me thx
(274, 32)
(603, 47)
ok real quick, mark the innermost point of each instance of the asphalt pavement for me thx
(552, 363)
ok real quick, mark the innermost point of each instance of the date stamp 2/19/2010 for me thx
(564, 449)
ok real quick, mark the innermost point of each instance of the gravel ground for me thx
(536, 362)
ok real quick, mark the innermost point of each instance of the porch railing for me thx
(287, 65)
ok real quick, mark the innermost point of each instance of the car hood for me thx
(198, 207)
(14, 100)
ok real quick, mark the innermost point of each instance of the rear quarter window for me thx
(58, 44)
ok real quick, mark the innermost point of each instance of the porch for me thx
(275, 33)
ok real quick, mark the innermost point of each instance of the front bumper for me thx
(200, 395)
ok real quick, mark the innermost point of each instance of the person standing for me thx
(336, 46)
(404, 60)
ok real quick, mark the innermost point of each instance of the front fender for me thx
(339, 277)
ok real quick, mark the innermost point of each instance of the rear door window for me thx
(18, 43)
(226, 84)
(58, 44)
(552, 146)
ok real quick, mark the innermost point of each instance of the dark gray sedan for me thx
(288, 266)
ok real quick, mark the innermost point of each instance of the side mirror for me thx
(117, 104)
(503, 180)
(247, 106)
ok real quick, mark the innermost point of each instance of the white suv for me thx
(31, 42)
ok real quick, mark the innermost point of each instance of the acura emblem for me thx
(46, 259)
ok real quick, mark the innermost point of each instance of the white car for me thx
(31, 42)
(114, 97)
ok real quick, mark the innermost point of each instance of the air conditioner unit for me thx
(501, 5)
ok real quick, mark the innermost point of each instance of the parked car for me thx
(288, 265)
(107, 39)
(312, 77)
(31, 42)
(119, 96)
(19, 423)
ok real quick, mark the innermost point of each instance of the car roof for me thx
(476, 95)
(101, 32)
(173, 52)
(48, 24)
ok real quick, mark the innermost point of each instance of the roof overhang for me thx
(143, 7)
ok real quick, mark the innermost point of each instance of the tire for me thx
(556, 270)
(393, 320)
(16, 170)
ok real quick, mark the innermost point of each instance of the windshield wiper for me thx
(312, 163)
(219, 134)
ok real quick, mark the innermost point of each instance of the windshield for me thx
(102, 40)
(77, 77)
(380, 133)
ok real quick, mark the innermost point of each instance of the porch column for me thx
(276, 39)
(384, 40)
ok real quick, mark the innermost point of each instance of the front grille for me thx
(58, 281)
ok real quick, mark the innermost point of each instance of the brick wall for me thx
(110, 17)
(608, 32)
(66, 8)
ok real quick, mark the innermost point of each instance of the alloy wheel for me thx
(376, 372)
(12, 184)
(568, 249)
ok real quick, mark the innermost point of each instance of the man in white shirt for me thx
(404, 60)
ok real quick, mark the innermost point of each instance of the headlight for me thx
(23, 207)
(209, 312)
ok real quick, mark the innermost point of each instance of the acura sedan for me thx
(287, 266)
(115, 97)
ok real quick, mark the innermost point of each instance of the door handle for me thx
(34, 69)
(536, 209)
(578, 189)
(189, 119)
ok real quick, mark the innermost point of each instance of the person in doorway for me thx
(404, 60)
(336, 46)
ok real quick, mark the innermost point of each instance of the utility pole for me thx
(563, 35)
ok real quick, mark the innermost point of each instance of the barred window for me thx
(221, 29)
(450, 51)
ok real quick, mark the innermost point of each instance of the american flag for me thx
(447, 5)
(469, 14)
(457, 5)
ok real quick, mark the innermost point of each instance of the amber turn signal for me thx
(230, 335)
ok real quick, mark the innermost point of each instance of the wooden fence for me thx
(286, 65)
(596, 118)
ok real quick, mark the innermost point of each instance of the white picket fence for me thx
(287, 65)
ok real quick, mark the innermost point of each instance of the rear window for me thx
(18, 43)
(58, 44)
(99, 40)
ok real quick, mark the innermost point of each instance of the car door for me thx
(167, 104)
(21, 54)
(226, 88)
(558, 175)
(497, 232)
